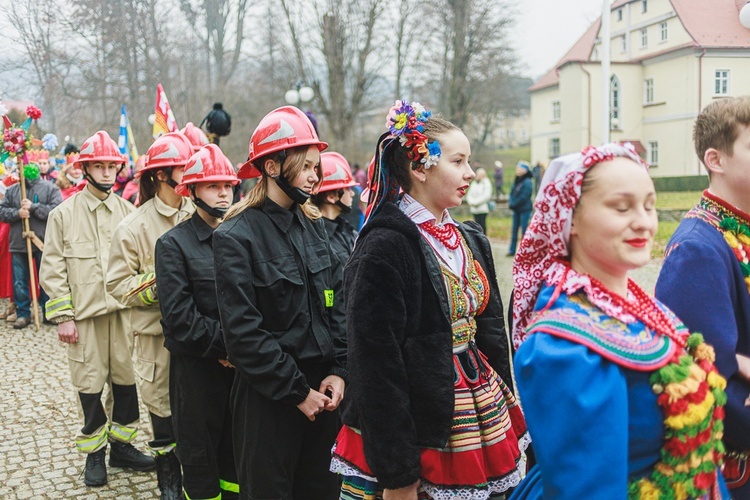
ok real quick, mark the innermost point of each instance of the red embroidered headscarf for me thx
(548, 234)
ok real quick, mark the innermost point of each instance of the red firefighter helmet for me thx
(99, 147)
(195, 135)
(283, 128)
(207, 165)
(169, 150)
(336, 172)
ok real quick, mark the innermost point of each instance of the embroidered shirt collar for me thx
(419, 214)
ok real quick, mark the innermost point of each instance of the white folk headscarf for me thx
(548, 235)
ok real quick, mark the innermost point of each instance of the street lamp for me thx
(745, 15)
(302, 93)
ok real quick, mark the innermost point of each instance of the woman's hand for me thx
(313, 404)
(333, 386)
(406, 493)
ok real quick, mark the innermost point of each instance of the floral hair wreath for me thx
(406, 122)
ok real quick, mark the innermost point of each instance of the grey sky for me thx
(546, 29)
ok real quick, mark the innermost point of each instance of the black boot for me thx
(125, 455)
(95, 473)
(169, 476)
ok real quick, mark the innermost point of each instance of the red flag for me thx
(164, 119)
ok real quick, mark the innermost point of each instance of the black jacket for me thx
(280, 308)
(44, 196)
(187, 297)
(400, 392)
(341, 234)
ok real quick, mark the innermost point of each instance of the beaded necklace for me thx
(732, 223)
(690, 392)
(447, 234)
(644, 308)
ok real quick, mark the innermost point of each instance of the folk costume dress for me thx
(705, 280)
(610, 412)
(483, 455)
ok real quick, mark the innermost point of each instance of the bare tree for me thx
(39, 31)
(472, 36)
(223, 22)
(343, 43)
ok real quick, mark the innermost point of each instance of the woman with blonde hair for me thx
(281, 316)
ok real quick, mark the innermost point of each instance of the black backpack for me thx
(218, 121)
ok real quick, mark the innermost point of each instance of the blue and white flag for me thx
(126, 141)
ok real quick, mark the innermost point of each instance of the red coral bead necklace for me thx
(447, 234)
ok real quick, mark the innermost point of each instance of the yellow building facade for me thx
(669, 59)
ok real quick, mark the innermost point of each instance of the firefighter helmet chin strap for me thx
(215, 212)
(344, 209)
(297, 195)
(170, 182)
(104, 188)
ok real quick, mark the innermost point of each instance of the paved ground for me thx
(38, 414)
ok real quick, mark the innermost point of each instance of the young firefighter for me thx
(130, 280)
(200, 377)
(92, 324)
(334, 198)
(280, 314)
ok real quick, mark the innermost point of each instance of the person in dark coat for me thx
(520, 203)
(200, 376)
(335, 198)
(41, 198)
(282, 316)
(428, 350)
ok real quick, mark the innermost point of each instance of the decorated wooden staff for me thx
(16, 140)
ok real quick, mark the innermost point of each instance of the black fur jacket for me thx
(400, 388)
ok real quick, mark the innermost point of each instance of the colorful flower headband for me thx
(406, 121)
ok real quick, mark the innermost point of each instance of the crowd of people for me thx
(288, 346)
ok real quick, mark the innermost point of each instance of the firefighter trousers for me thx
(199, 394)
(152, 369)
(103, 354)
(280, 454)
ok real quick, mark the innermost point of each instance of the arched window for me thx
(614, 102)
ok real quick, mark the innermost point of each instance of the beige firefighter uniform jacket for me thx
(76, 255)
(131, 260)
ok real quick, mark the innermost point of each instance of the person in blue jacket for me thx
(705, 277)
(520, 203)
(620, 399)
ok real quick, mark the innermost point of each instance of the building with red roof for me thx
(669, 59)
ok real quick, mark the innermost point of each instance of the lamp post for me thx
(302, 93)
(605, 63)
(745, 15)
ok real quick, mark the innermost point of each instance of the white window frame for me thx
(624, 43)
(644, 6)
(648, 91)
(554, 147)
(615, 104)
(653, 153)
(721, 81)
(664, 31)
(644, 38)
(555, 111)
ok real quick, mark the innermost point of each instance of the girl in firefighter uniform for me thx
(282, 317)
(92, 324)
(200, 376)
(131, 281)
